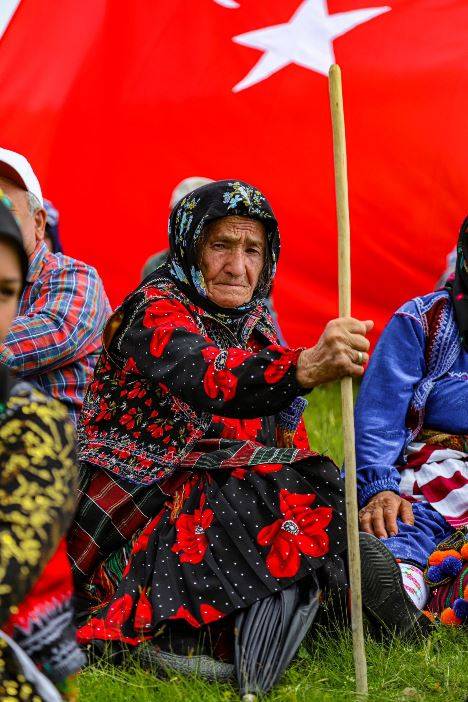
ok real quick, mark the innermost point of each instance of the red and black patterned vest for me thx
(130, 425)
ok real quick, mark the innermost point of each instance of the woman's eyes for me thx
(220, 246)
(8, 291)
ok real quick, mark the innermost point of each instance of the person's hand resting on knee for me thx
(379, 516)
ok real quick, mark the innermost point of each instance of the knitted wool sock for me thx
(414, 584)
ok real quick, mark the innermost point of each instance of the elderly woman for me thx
(411, 438)
(192, 429)
(37, 490)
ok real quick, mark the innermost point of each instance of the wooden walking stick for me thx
(344, 282)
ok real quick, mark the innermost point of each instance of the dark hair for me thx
(11, 234)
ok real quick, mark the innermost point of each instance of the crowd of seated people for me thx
(192, 493)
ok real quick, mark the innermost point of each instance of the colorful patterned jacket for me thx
(167, 370)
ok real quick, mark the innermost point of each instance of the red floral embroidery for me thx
(210, 614)
(121, 453)
(111, 626)
(104, 412)
(261, 469)
(155, 430)
(141, 544)
(246, 429)
(164, 316)
(143, 612)
(301, 530)
(128, 419)
(130, 366)
(265, 468)
(96, 386)
(278, 368)
(169, 454)
(136, 392)
(91, 432)
(301, 440)
(160, 340)
(183, 613)
(191, 539)
(220, 380)
(143, 462)
(239, 473)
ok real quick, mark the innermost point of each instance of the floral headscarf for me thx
(188, 219)
(458, 285)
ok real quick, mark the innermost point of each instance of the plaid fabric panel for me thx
(109, 513)
(223, 454)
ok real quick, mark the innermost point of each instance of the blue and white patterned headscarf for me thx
(223, 198)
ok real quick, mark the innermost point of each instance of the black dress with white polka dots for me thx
(249, 509)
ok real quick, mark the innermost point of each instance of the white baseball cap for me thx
(186, 186)
(17, 169)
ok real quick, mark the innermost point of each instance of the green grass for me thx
(323, 671)
(323, 421)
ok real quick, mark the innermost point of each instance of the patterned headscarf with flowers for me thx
(458, 285)
(188, 219)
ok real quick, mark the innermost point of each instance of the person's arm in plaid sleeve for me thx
(57, 328)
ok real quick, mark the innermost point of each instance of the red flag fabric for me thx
(115, 102)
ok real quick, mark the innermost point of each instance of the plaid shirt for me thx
(56, 339)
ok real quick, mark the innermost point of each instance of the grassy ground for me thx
(323, 670)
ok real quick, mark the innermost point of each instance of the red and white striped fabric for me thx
(437, 475)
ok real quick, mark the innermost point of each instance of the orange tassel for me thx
(429, 615)
(436, 558)
(449, 618)
(464, 552)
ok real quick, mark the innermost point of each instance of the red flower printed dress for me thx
(246, 514)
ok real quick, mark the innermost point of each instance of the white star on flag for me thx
(7, 10)
(231, 4)
(306, 40)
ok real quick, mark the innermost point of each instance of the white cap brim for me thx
(17, 169)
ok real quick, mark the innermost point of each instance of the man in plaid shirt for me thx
(56, 338)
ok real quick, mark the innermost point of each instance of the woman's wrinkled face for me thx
(10, 287)
(232, 260)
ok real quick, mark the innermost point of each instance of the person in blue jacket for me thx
(412, 447)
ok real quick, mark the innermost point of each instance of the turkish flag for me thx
(114, 102)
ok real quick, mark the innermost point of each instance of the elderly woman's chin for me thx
(230, 296)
